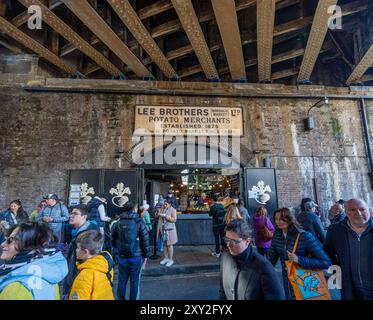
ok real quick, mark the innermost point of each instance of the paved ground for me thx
(194, 276)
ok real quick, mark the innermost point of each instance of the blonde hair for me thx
(232, 214)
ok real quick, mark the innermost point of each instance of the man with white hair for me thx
(350, 245)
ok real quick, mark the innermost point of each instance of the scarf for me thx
(25, 257)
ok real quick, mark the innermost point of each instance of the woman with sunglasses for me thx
(33, 266)
(309, 252)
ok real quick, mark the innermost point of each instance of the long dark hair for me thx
(21, 214)
(287, 216)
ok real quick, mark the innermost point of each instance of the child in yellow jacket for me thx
(96, 272)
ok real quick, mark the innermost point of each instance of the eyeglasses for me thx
(9, 240)
(234, 241)
(75, 214)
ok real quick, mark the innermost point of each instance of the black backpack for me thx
(128, 243)
(219, 217)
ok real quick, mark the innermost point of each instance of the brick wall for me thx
(43, 135)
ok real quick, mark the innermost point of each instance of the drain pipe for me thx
(367, 139)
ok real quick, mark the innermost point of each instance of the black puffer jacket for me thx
(130, 236)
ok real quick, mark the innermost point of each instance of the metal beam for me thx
(279, 30)
(35, 46)
(316, 38)
(154, 9)
(83, 10)
(129, 17)
(226, 17)
(70, 35)
(365, 63)
(190, 23)
(11, 47)
(265, 17)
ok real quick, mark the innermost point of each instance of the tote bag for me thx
(308, 284)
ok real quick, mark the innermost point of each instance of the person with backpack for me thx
(95, 279)
(311, 222)
(263, 230)
(55, 214)
(217, 213)
(130, 237)
(97, 211)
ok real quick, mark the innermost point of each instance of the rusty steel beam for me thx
(190, 23)
(226, 17)
(284, 74)
(316, 38)
(86, 13)
(70, 35)
(154, 9)
(298, 24)
(265, 17)
(365, 63)
(21, 19)
(35, 46)
(129, 17)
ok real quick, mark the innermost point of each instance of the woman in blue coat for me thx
(309, 252)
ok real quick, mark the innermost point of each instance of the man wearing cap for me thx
(54, 213)
(311, 222)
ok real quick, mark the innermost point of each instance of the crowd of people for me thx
(59, 254)
(302, 239)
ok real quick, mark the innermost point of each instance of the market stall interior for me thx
(192, 189)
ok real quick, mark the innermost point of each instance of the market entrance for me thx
(192, 182)
(192, 188)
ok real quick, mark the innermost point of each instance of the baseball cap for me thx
(51, 196)
(310, 205)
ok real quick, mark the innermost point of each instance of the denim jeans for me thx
(219, 235)
(129, 269)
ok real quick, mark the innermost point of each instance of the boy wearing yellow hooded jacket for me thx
(96, 272)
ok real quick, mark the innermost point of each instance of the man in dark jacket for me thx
(245, 274)
(311, 222)
(350, 245)
(131, 239)
(79, 220)
(217, 213)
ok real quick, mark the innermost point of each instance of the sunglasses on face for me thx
(234, 241)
